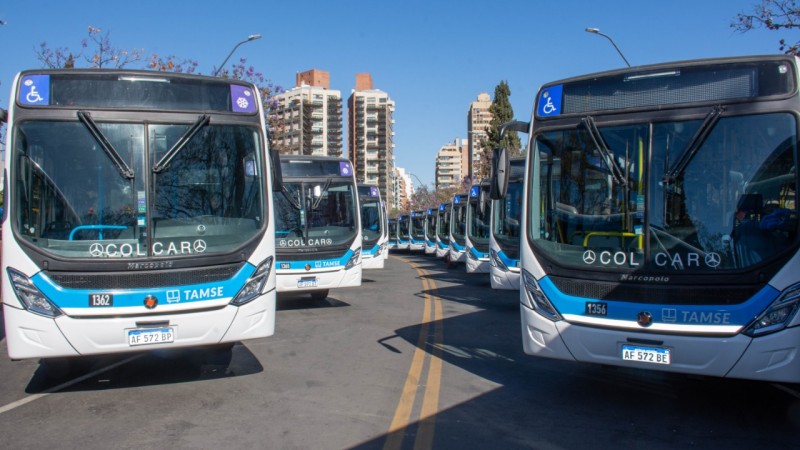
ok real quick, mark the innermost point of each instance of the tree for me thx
(102, 54)
(98, 52)
(502, 112)
(772, 15)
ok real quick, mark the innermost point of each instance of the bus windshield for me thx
(418, 225)
(371, 219)
(89, 190)
(318, 213)
(402, 227)
(725, 202)
(443, 225)
(430, 225)
(478, 226)
(507, 214)
(459, 227)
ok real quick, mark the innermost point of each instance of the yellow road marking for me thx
(430, 398)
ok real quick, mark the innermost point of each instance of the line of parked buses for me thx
(470, 229)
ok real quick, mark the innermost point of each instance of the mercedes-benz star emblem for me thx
(200, 246)
(96, 250)
(589, 257)
(644, 318)
(713, 260)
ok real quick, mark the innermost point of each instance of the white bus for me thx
(661, 219)
(458, 229)
(504, 238)
(403, 232)
(373, 227)
(416, 231)
(318, 226)
(431, 216)
(138, 213)
(392, 229)
(443, 231)
(479, 214)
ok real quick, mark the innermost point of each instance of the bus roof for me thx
(669, 84)
(315, 166)
(134, 89)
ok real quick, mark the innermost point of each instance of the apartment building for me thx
(403, 188)
(370, 143)
(308, 117)
(452, 164)
(478, 121)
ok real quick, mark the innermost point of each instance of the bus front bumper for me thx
(33, 336)
(772, 357)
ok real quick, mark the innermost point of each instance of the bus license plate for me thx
(652, 355)
(307, 283)
(146, 336)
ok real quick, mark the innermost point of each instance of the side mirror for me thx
(277, 172)
(483, 198)
(499, 182)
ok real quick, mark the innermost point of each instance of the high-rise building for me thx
(403, 189)
(370, 140)
(478, 121)
(308, 118)
(452, 164)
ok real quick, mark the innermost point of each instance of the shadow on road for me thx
(525, 402)
(156, 367)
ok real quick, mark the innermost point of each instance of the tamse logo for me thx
(101, 300)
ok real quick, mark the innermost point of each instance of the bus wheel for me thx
(319, 295)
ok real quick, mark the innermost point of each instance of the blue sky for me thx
(432, 57)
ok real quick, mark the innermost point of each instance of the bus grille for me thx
(649, 294)
(147, 279)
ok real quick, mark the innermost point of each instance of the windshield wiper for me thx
(607, 156)
(91, 125)
(324, 190)
(288, 195)
(180, 143)
(677, 169)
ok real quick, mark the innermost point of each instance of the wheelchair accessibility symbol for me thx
(35, 90)
(549, 107)
(33, 96)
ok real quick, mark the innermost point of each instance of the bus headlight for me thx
(536, 300)
(779, 314)
(353, 259)
(252, 288)
(30, 296)
(497, 262)
(471, 254)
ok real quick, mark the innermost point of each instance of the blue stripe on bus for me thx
(80, 298)
(314, 263)
(741, 314)
(509, 262)
(478, 254)
(371, 251)
(457, 247)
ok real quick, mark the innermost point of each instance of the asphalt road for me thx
(420, 356)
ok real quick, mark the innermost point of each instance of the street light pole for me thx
(597, 31)
(252, 37)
